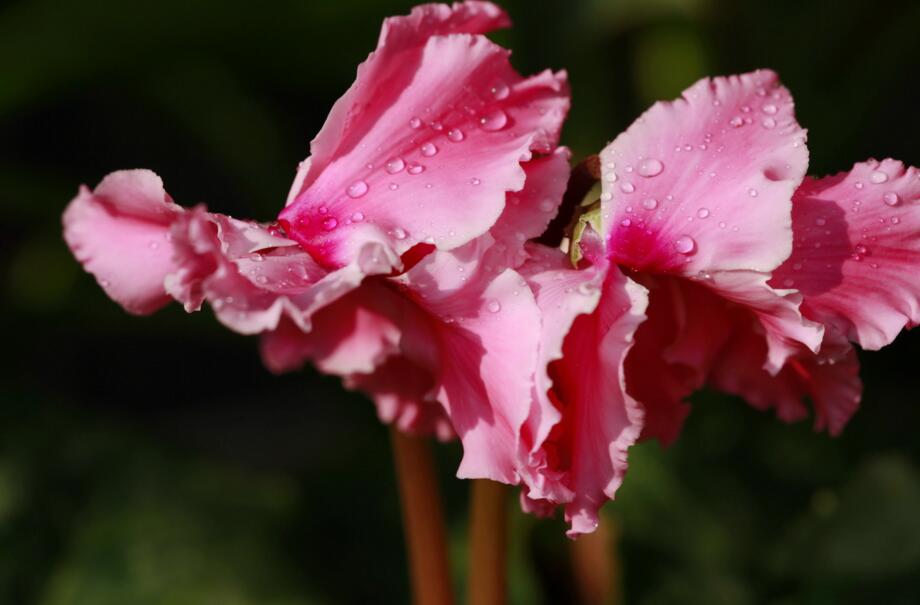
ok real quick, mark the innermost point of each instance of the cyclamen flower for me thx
(392, 265)
(722, 264)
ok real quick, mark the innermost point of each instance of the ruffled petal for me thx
(119, 232)
(427, 142)
(832, 384)
(479, 343)
(562, 295)
(705, 183)
(253, 277)
(857, 251)
(586, 450)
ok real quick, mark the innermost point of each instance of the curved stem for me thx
(488, 542)
(423, 520)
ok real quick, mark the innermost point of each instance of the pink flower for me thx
(394, 262)
(722, 264)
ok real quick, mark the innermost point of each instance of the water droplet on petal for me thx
(860, 249)
(330, 223)
(703, 212)
(399, 233)
(255, 256)
(474, 181)
(357, 189)
(650, 203)
(878, 177)
(415, 168)
(494, 306)
(437, 126)
(891, 198)
(393, 186)
(752, 192)
(499, 90)
(395, 165)
(547, 205)
(415, 122)
(627, 188)
(769, 123)
(736, 122)
(429, 149)
(820, 221)
(626, 222)
(650, 167)
(153, 245)
(357, 217)
(494, 120)
(685, 244)
(456, 135)
(769, 109)
(895, 220)
(788, 283)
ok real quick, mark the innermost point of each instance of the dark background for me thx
(153, 460)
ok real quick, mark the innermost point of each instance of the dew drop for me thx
(752, 192)
(626, 222)
(650, 167)
(395, 165)
(499, 90)
(255, 256)
(788, 282)
(820, 221)
(769, 109)
(860, 249)
(357, 217)
(357, 189)
(736, 122)
(769, 123)
(494, 306)
(606, 196)
(859, 185)
(399, 233)
(547, 205)
(415, 168)
(393, 186)
(650, 203)
(685, 244)
(891, 198)
(429, 149)
(878, 177)
(456, 135)
(494, 120)
(895, 220)
(437, 126)
(627, 188)
(153, 245)
(474, 181)
(330, 223)
(415, 122)
(703, 213)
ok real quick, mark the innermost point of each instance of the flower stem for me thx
(488, 541)
(596, 565)
(423, 520)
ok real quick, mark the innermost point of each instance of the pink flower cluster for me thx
(404, 261)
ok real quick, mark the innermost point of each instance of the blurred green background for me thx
(153, 460)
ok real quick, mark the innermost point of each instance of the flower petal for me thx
(253, 277)
(857, 251)
(426, 143)
(562, 295)
(599, 420)
(832, 384)
(120, 234)
(479, 344)
(705, 183)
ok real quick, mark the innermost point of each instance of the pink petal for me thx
(832, 384)
(402, 392)
(479, 344)
(705, 183)
(425, 144)
(528, 212)
(562, 295)
(857, 251)
(120, 234)
(586, 449)
(253, 277)
(675, 348)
